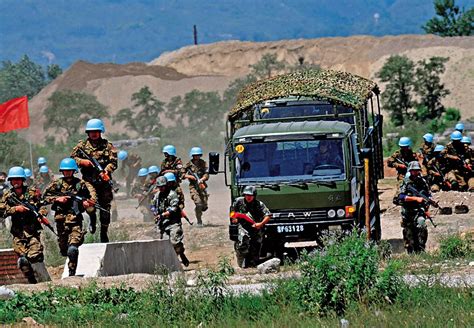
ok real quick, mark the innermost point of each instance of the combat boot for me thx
(93, 222)
(184, 259)
(104, 238)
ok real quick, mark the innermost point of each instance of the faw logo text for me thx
(292, 215)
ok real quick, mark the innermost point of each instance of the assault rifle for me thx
(41, 218)
(199, 186)
(401, 161)
(427, 199)
(76, 199)
(99, 168)
(145, 195)
(445, 180)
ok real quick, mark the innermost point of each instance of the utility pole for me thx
(195, 32)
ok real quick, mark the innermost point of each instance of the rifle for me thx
(41, 218)
(445, 181)
(99, 168)
(401, 161)
(196, 183)
(76, 199)
(427, 199)
(145, 195)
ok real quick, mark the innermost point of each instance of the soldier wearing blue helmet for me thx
(130, 165)
(459, 127)
(172, 163)
(427, 148)
(400, 159)
(26, 228)
(29, 180)
(44, 178)
(99, 150)
(459, 164)
(437, 171)
(197, 173)
(70, 197)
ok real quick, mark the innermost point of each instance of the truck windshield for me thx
(301, 160)
(285, 111)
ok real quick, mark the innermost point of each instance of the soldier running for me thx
(70, 197)
(133, 163)
(99, 150)
(171, 163)
(250, 237)
(26, 228)
(196, 172)
(168, 217)
(142, 192)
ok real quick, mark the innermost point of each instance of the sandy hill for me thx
(213, 66)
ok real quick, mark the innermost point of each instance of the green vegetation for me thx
(342, 282)
(453, 246)
(450, 20)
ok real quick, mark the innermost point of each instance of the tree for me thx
(267, 66)
(303, 66)
(20, 79)
(398, 73)
(429, 88)
(13, 149)
(54, 71)
(144, 117)
(68, 110)
(451, 20)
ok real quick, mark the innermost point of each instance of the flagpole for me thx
(31, 154)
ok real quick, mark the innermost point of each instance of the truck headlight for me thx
(341, 213)
(331, 213)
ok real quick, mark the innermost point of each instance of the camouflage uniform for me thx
(436, 168)
(406, 157)
(174, 165)
(26, 229)
(198, 190)
(106, 155)
(140, 188)
(42, 181)
(168, 201)
(425, 155)
(249, 242)
(460, 173)
(415, 231)
(133, 163)
(68, 216)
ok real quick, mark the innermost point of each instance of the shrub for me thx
(454, 246)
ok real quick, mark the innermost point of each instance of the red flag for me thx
(14, 114)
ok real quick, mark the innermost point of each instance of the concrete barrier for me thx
(118, 258)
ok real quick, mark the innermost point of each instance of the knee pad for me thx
(73, 253)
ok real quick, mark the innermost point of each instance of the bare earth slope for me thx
(212, 67)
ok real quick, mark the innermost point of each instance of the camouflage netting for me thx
(337, 87)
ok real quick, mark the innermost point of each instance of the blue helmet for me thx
(95, 124)
(143, 172)
(44, 169)
(428, 137)
(16, 172)
(153, 169)
(41, 160)
(456, 135)
(404, 142)
(68, 164)
(27, 173)
(438, 148)
(466, 140)
(122, 155)
(195, 151)
(170, 176)
(170, 150)
(459, 127)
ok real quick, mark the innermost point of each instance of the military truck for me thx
(310, 142)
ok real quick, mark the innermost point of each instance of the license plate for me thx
(290, 228)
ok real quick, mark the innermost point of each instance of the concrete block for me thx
(118, 258)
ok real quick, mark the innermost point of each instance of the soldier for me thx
(29, 181)
(133, 163)
(415, 231)
(196, 172)
(143, 191)
(173, 185)
(459, 127)
(26, 228)
(426, 149)
(458, 164)
(437, 171)
(168, 217)
(400, 159)
(41, 162)
(70, 197)
(95, 147)
(171, 163)
(43, 178)
(250, 238)
(467, 141)
(327, 155)
(3, 183)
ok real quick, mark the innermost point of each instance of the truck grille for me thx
(299, 215)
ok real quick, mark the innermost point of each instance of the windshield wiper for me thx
(301, 185)
(269, 186)
(330, 184)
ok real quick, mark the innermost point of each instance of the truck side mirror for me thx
(213, 163)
